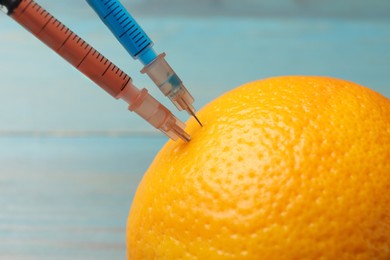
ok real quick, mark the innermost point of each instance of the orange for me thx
(284, 168)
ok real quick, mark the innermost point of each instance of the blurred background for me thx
(71, 156)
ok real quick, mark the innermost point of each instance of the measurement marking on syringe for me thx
(135, 36)
(86, 55)
(27, 5)
(111, 5)
(141, 50)
(125, 84)
(140, 38)
(47, 14)
(120, 10)
(44, 26)
(101, 60)
(123, 14)
(135, 30)
(111, 10)
(107, 68)
(63, 44)
(124, 33)
(127, 18)
(143, 43)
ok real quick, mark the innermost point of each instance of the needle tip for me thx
(190, 110)
(198, 120)
(193, 114)
(181, 133)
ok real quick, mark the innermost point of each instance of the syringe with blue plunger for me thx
(139, 45)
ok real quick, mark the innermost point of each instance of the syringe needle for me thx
(191, 111)
(193, 114)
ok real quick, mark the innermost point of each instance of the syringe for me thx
(139, 45)
(92, 64)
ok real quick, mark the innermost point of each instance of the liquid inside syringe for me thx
(92, 64)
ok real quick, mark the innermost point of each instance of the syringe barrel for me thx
(71, 47)
(125, 28)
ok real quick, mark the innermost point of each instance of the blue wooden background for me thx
(71, 157)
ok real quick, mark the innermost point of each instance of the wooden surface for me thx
(71, 157)
(68, 198)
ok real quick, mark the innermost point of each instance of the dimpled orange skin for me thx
(284, 168)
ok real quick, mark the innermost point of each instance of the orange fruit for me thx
(284, 168)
